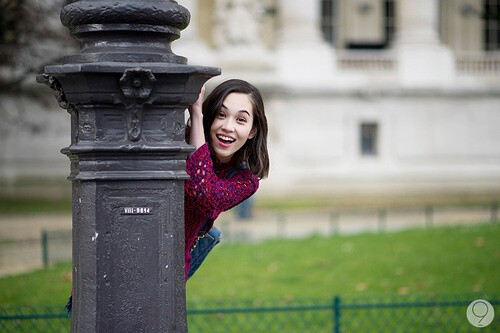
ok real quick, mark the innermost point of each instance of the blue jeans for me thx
(203, 247)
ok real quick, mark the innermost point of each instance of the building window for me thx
(328, 20)
(491, 18)
(390, 21)
(366, 25)
(470, 26)
(368, 139)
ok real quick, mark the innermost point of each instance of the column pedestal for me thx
(302, 57)
(422, 60)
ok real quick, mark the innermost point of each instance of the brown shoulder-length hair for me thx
(254, 151)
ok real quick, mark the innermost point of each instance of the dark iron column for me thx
(126, 93)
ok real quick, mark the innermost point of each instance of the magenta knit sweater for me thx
(208, 192)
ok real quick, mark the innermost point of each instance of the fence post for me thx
(428, 216)
(227, 230)
(281, 225)
(494, 211)
(336, 314)
(334, 223)
(45, 249)
(382, 216)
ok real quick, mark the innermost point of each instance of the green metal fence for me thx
(54, 246)
(34, 319)
(18, 256)
(336, 314)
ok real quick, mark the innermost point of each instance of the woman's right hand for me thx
(197, 134)
(196, 107)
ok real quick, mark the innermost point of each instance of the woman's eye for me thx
(221, 115)
(242, 120)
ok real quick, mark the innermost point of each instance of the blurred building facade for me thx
(362, 96)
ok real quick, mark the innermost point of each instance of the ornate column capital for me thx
(125, 31)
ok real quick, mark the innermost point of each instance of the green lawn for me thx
(438, 261)
(442, 260)
(11, 206)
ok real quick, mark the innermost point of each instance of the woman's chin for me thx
(222, 156)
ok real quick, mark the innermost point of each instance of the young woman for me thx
(229, 132)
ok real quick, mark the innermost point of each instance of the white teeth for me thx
(225, 138)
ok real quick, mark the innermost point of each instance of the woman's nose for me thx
(228, 125)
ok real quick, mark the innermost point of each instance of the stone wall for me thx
(427, 141)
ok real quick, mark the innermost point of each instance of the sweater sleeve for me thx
(212, 194)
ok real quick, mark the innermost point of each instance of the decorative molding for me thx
(152, 12)
(136, 85)
(56, 87)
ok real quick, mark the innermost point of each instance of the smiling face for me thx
(232, 126)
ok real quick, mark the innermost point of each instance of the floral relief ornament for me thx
(137, 83)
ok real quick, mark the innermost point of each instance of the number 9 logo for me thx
(480, 313)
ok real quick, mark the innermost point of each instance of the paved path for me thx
(25, 253)
(304, 224)
(21, 249)
(31, 226)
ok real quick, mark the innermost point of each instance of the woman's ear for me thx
(253, 132)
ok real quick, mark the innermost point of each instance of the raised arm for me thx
(197, 134)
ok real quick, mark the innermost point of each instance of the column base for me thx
(425, 66)
(306, 64)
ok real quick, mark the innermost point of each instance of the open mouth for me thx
(225, 139)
